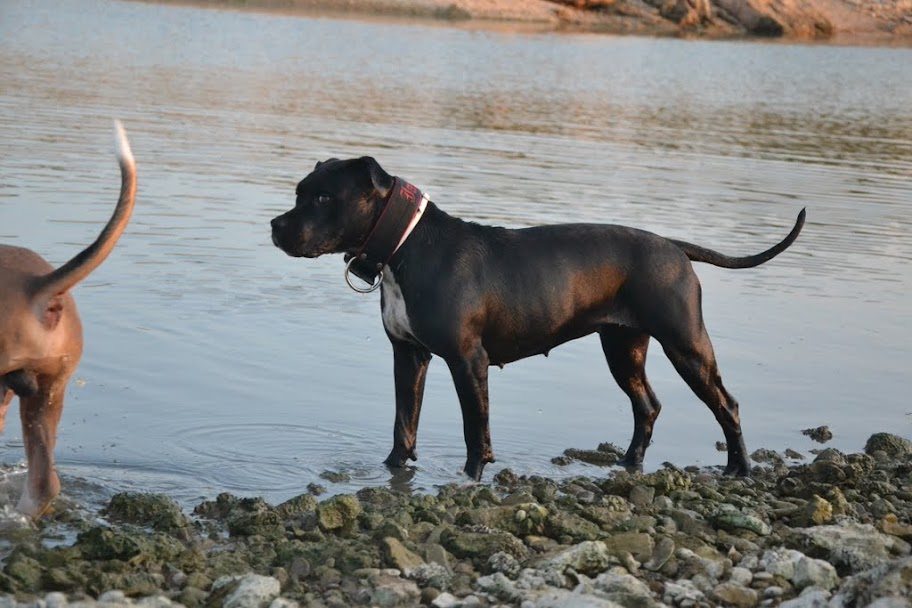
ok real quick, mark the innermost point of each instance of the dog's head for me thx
(335, 208)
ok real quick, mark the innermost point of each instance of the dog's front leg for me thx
(470, 375)
(40, 414)
(410, 365)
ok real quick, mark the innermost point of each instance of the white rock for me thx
(811, 598)
(155, 601)
(112, 597)
(55, 599)
(445, 600)
(561, 598)
(281, 602)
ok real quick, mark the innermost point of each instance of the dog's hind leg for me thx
(470, 375)
(695, 361)
(6, 397)
(410, 365)
(40, 414)
(625, 351)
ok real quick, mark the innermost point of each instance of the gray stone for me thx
(893, 445)
(436, 554)
(625, 589)
(499, 586)
(112, 597)
(642, 496)
(588, 557)
(681, 592)
(811, 572)
(446, 600)
(155, 601)
(391, 592)
(891, 579)
(853, 547)
(281, 602)
(733, 521)
(505, 563)
(811, 598)
(561, 598)
(741, 576)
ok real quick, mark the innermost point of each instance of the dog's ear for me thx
(380, 179)
(323, 162)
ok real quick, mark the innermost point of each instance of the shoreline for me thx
(832, 531)
(885, 23)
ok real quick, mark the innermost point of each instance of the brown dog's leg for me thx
(410, 365)
(5, 400)
(40, 414)
(625, 351)
(696, 363)
(470, 375)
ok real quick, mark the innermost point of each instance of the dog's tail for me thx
(702, 254)
(64, 278)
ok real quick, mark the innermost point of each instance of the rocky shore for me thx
(878, 22)
(829, 529)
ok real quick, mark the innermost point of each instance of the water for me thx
(213, 362)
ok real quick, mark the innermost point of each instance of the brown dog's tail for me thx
(64, 278)
(702, 254)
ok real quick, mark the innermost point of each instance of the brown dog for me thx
(41, 337)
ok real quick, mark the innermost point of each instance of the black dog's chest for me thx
(395, 316)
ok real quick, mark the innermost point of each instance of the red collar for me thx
(400, 215)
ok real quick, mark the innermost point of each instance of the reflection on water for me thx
(213, 362)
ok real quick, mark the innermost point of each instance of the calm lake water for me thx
(213, 362)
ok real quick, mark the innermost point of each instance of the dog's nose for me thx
(278, 223)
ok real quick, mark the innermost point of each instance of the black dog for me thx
(478, 296)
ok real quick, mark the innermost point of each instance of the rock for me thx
(499, 586)
(561, 598)
(246, 591)
(639, 544)
(396, 555)
(741, 576)
(683, 593)
(851, 548)
(155, 511)
(55, 599)
(281, 602)
(112, 597)
(589, 558)
(891, 525)
(504, 563)
(661, 554)
(446, 600)
(820, 434)
(816, 512)
(810, 572)
(890, 580)
(563, 523)
(335, 476)
(391, 591)
(625, 589)
(892, 445)
(596, 457)
(811, 598)
(431, 575)
(780, 562)
(732, 520)
(732, 594)
(480, 544)
(339, 514)
(641, 496)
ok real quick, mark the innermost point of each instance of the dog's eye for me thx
(322, 199)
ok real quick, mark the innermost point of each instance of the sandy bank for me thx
(874, 22)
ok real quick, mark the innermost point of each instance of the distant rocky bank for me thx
(831, 531)
(875, 22)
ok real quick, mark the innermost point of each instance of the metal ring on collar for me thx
(361, 289)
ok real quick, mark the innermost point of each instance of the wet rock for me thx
(820, 434)
(793, 455)
(339, 514)
(478, 544)
(155, 511)
(892, 445)
(335, 476)
(561, 598)
(519, 520)
(297, 506)
(596, 457)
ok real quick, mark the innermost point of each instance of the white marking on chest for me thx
(395, 317)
